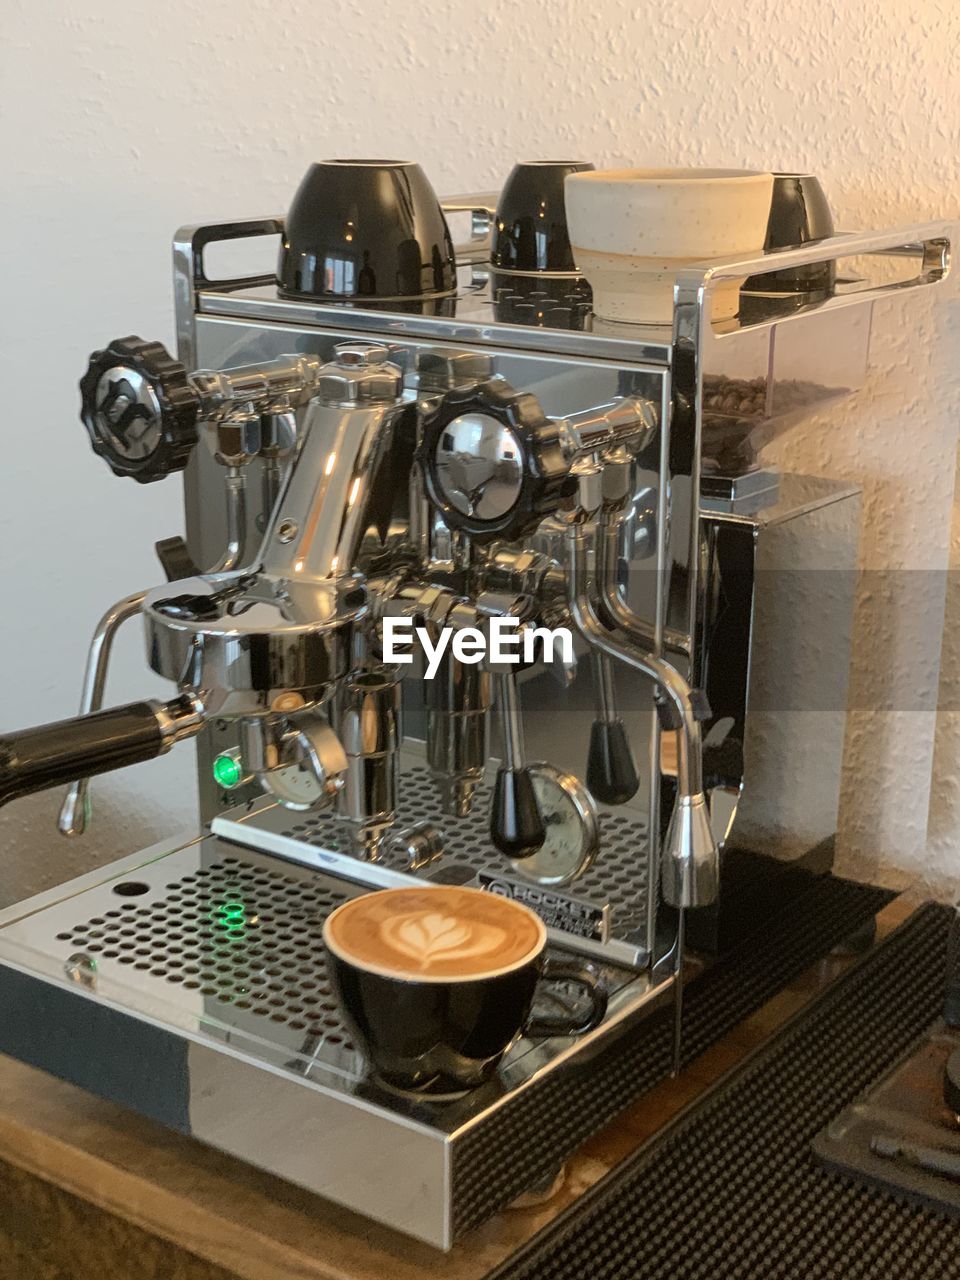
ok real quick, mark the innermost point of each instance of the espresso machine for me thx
(443, 442)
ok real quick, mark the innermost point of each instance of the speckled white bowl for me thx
(633, 229)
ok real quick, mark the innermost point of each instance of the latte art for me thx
(434, 932)
(428, 936)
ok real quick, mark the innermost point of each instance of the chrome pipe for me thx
(457, 702)
(221, 389)
(369, 729)
(234, 552)
(629, 418)
(272, 482)
(318, 525)
(511, 726)
(689, 856)
(614, 609)
(75, 810)
(606, 695)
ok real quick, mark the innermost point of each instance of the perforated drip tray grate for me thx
(616, 883)
(235, 938)
(243, 935)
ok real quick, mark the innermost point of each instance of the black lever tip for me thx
(516, 827)
(612, 776)
(175, 558)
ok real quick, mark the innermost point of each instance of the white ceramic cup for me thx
(632, 230)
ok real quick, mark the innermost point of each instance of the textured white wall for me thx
(122, 119)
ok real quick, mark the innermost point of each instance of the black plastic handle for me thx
(516, 827)
(176, 559)
(49, 755)
(569, 1023)
(612, 776)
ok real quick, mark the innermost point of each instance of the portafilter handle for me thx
(50, 755)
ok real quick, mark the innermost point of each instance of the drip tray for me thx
(190, 985)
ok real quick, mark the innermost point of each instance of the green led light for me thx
(231, 917)
(227, 772)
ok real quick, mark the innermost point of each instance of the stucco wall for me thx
(122, 119)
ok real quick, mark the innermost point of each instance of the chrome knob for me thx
(360, 355)
(418, 846)
(443, 370)
(360, 373)
(237, 439)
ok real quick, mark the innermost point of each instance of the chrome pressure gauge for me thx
(573, 831)
(294, 786)
(312, 768)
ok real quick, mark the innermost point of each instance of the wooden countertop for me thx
(88, 1189)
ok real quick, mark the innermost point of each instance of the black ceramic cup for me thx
(438, 1035)
(530, 228)
(365, 229)
(799, 215)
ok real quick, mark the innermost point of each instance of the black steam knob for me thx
(516, 827)
(612, 776)
(493, 462)
(139, 409)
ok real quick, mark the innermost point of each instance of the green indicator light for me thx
(226, 771)
(231, 917)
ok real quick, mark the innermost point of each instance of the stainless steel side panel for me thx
(331, 1144)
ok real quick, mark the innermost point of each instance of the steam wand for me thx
(690, 870)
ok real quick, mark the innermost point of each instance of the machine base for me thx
(189, 984)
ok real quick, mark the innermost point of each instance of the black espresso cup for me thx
(436, 982)
(799, 215)
(366, 229)
(530, 228)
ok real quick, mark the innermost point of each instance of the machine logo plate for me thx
(570, 915)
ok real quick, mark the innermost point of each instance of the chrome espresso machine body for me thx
(469, 463)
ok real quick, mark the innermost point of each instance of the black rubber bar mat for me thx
(530, 1136)
(730, 1189)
